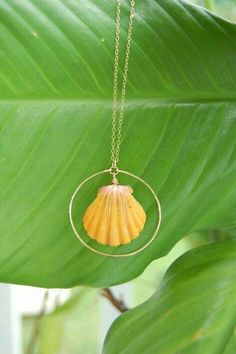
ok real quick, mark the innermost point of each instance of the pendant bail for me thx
(114, 180)
(114, 172)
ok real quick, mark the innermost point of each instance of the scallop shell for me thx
(115, 217)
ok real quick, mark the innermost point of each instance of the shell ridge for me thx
(138, 214)
(90, 211)
(99, 215)
(136, 225)
(92, 207)
(88, 216)
(125, 216)
(109, 217)
(139, 210)
(120, 218)
(130, 219)
(114, 219)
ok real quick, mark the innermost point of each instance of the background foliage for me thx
(193, 312)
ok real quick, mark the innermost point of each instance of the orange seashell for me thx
(115, 217)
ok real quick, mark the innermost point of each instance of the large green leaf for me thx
(56, 68)
(193, 312)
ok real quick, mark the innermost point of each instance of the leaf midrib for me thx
(132, 101)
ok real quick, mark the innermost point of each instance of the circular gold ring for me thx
(117, 254)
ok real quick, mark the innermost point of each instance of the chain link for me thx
(117, 124)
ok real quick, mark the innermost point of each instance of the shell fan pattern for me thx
(115, 217)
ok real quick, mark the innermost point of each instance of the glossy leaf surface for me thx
(193, 312)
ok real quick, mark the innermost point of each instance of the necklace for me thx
(115, 217)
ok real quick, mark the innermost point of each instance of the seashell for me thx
(115, 217)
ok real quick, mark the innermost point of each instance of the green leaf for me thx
(230, 348)
(193, 312)
(56, 69)
(59, 330)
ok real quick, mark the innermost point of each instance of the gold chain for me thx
(117, 125)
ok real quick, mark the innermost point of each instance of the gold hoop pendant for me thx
(133, 176)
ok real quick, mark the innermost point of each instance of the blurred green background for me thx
(224, 8)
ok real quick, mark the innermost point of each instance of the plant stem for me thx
(35, 332)
(117, 303)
